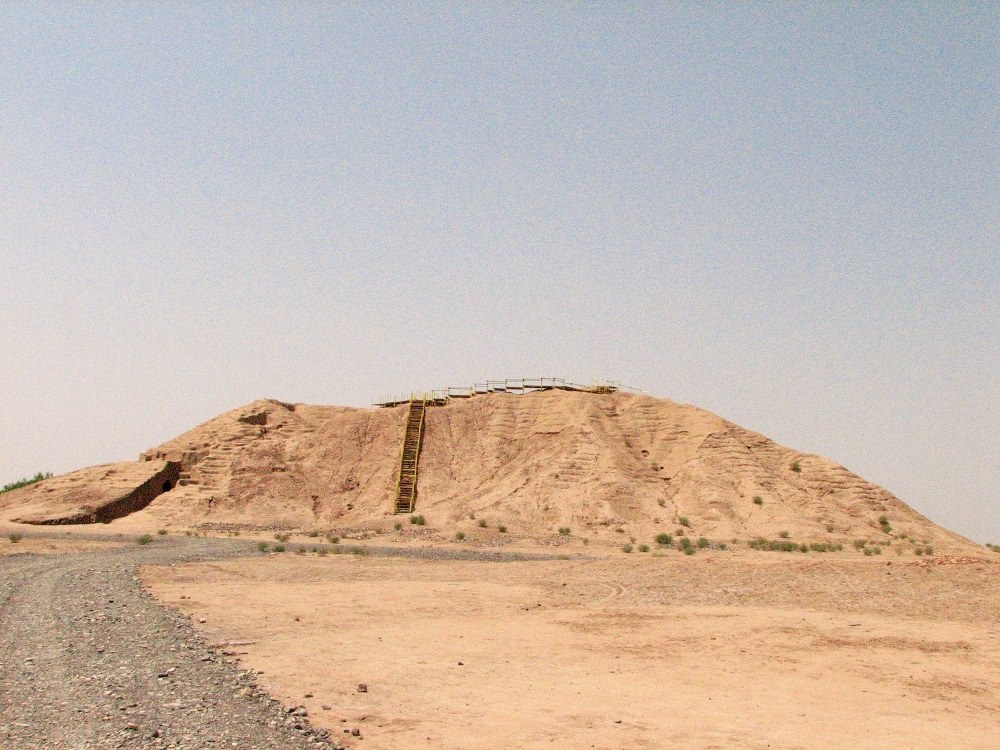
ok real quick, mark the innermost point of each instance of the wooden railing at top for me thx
(516, 386)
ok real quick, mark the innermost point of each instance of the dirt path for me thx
(89, 660)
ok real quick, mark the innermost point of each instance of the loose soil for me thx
(720, 650)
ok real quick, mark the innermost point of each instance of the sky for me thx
(786, 214)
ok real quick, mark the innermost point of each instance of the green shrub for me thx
(860, 543)
(796, 467)
(263, 546)
(282, 537)
(459, 535)
(627, 548)
(25, 482)
(15, 538)
(803, 547)
(397, 526)
(994, 547)
(758, 500)
(144, 539)
(869, 551)
(482, 523)
(333, 538)
(723, 546)
(418, 520)
(686, 546)
(360, 551)
(279, 548)
(664, 539)
(702, 542)
(684, 521)
(564, 530)
(644, 548)
(783, 534)
(313, 534)
(501, 528)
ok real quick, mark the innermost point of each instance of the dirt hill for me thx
(601, 465)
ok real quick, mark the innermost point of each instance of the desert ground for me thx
(718, 650)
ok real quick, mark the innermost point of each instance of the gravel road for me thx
(89, 660)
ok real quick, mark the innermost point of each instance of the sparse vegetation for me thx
(796, 466)
(830, 528)
(994, 547)
(332, 538)
(15, 538)
(279, 548)
(418, 520)
(313, 534)
(144, 539)
(758, 500)
(483, 524)
(883, 522)
(664, 539)
(869, 551)
(397, 526)
(860, 543)
(360, 551)
(783, 534)
(26, 481)
(501, 528)
(686, 546)
(322, 552)
(684, 521)
(282, 537)
(262, 546)
(564, 530)
(703, 542)
(627, 548)
(644, 548)
(300, 551)
(459, 536)
(162, 532)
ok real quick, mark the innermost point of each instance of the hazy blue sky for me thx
(786, 214)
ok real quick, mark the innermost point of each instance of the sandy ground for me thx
(47, 546)
(721, 650)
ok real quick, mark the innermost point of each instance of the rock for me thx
(362, 687)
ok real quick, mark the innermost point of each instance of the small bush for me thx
(686, 546)
(684, 521)
(619, 530)
(397, 526)
(333, 538)
(803, 547)
(161, 532)
(313, 534)
(263, 546)
(644, 548)
(796, 467)
(322, 552)
(360, 551)
(459, 535)
(783, 534)
(869, 551)
(26, 481)
(482, 523)
(702, 542)
(994, 547)
(300, 551)
(627, 548)
(860, 543)
(723, 545)
(758, 500)
(279, 548)
(564, 530)
(418, 520)
(282, 537)
(830, 527)
(501, 528)
(883, 521)
(664, 539)
(144, 539)
(15, 538)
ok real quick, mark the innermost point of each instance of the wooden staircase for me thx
(406, 491)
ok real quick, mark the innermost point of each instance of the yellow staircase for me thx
(406, 491)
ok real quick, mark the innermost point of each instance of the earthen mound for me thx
(597, 464)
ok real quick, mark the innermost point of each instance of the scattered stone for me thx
(362, 687)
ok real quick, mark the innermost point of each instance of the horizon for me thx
(783, 215)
